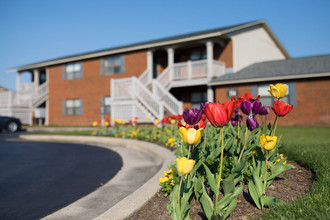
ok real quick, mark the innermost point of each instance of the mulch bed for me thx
(287, 186)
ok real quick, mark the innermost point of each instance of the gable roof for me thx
(156, 43)
(306, 67)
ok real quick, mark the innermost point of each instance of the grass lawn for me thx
(310, 147)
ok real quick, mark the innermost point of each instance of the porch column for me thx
(209, 56)
(170, 55)
(36, 78)
(18, 81)
(210, 94)
(150, 64)
(47, 113)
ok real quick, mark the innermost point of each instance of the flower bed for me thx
(214, 162)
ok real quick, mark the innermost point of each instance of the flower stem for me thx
(274, 126)
(205, 137)
(179, 195)
(265, 181)
(189, 151)
(220, 171)
(246, 138)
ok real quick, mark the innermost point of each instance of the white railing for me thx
(26, 88)
(121, 89)
(127, 110)
(147, 98)
(145, 77)
(133, 89)
(170, 102)
(219, 68)
(40, 94)
(197, 70)
(5, 99)
(165, 78)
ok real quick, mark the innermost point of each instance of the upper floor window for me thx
(115, 64)
(266, 99)
(73, 107)
(73, 71)
(198, 54)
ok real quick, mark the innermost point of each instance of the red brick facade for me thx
(90, 88)
(312, 102)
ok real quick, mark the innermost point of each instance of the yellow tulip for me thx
(115, 120)
(173, 121)
(146, 118)
(184, 165)
(157, 121)
(190, 136)
(106, 123)
(278, 91)
(268, 142)
(95, 123)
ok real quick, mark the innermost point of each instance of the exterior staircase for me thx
(24, 102)
(146, 97)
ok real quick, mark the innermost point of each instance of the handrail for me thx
(164, 78)
(144, 77)
(171, 103)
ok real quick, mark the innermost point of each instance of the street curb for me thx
(137, 199)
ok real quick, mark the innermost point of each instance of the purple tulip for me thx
(251, 122)
(192, 116)
(172, 148)
(236, 119)
(256, 105)
(203, 105)
(246, 107)
(264, 110)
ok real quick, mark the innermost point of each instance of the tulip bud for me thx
(264, 110)
(192, 116)
(278, 91)
(184, 165)
(251, 122)
(268, 142)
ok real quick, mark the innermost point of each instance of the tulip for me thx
(247, 107)
(281, 109)
(268, 142)
(192, 116)
(264, 110)
(252, 123)
(278, 91)
(95, 123)
(203, 105)
(249, 97)
(190, 136)
(219, 115)
(184, 165)
(236, 118)
(157, 121)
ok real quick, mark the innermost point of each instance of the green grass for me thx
(310, 147)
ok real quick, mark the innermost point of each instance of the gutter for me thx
(275, 78)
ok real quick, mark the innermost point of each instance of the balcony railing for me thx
(197, 70)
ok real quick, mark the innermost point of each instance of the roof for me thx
(154, 44)
(306, 67)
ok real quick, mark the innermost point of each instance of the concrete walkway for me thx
(129, 190)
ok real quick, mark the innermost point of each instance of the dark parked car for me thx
(10, 124)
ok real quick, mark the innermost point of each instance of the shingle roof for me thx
(289, 68)
(153, 44)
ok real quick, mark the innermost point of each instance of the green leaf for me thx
(254, 194)
(228, 185)
(199, 183)
(211, 180)
(230, 208)
(225, 201)
(207, 204)
(270, 201)
(258, 183)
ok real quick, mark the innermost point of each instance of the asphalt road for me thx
(38, 178)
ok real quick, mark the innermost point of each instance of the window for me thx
(73, 107)
(73, 71)
(107, 105)
(199, 54)
(115, 64)
(266, 99)
(197, 98)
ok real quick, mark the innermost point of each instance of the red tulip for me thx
(281, 109)
(219, 115)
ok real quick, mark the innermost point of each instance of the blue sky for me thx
(39, 30)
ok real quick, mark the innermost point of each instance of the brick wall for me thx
(90, 88)
(312, 102)
(225, 54)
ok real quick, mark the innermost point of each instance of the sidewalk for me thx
(108, 202)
